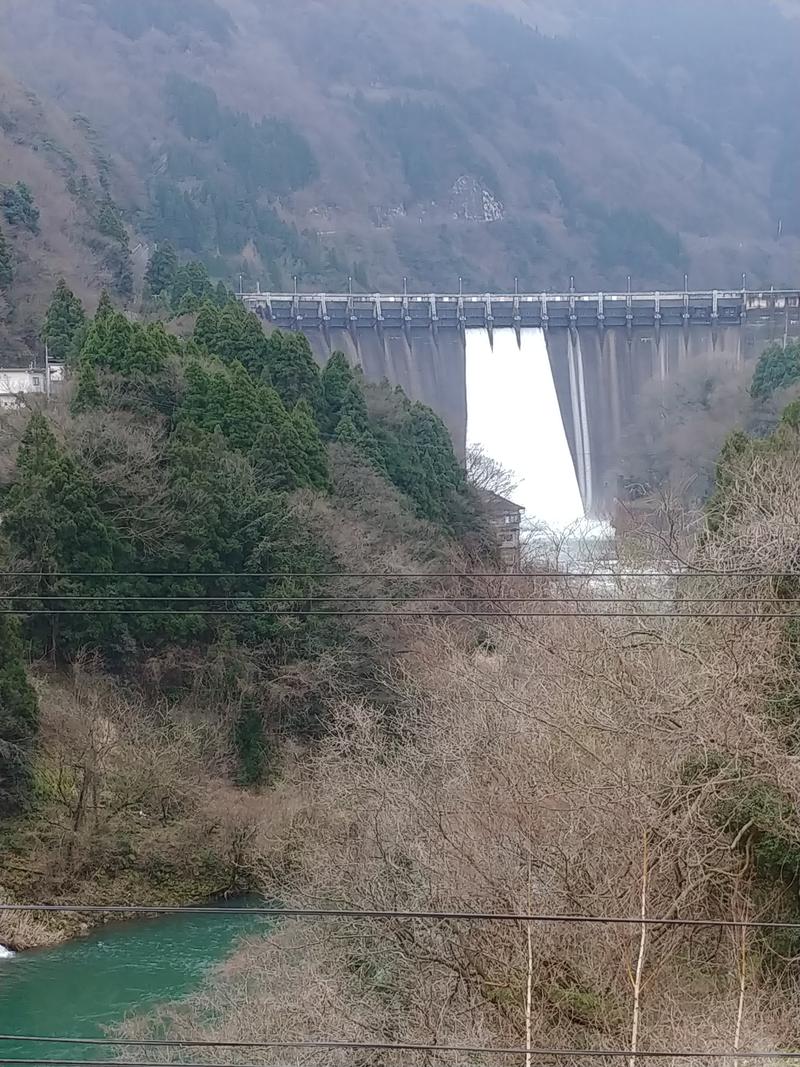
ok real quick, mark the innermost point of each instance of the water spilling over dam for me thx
(514, 415)
(604, 350)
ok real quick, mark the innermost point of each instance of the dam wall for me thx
(605, 350)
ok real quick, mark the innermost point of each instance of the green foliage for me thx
(161, 270)
(255, 422)
(231, 453)
(277, 456)
(418, 457)
(251, 744)
(777, 368)
(108, 341)
(87, 393)
(114, 248)
(232, 525)
(191, 279)
(721, 507)
(109, 222)
(6, 263)
(104, 307)
(114, 348)
(362, 440)
(206, 327)
(217, 219)
(268, 155)
(206, 397)
(339, 388)
(244, 417)
(64, 323)
(584, 1006)
(292, 369)
(237, 167)
(771, 829)
(18, 207)
(312, 449)
(19, 721)
(240, 338)
(53, 527)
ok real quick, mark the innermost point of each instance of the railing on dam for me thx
(522, 311)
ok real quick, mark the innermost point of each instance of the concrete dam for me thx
(603, 349)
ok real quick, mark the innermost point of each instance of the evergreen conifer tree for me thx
(87, 393)
(64, 324)
(311, 445)
(339, 387)
(292, 369)
(189, 304)
(144, 356)
(118, 340)
(53, 524)
(251, 744)
(206, 399)
(190, 281)
(19, 721)
(207, 327)
(50, 516)
(362, 440)
(244, 416)
(277, 455)
(240, 337)
(354, 406)
(104, 308)
(6, 265)
(161, 270)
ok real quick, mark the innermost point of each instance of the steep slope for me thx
(482, 141)
(70, 225)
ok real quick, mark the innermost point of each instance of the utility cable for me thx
(409, 598)
(471, 575)
(333, 614)
(360, 914)
(386, 1046)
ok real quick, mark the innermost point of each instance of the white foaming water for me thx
(513, 413)
(5, 953)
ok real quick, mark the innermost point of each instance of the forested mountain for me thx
(164, 519)
(464, 139)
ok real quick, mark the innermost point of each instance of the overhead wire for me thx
(295, 613)
(378, 598)
(390, 1046)
(391, 576)
(360, 914)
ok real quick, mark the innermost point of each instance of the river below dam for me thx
(82, 987)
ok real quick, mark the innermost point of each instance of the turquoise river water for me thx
(82, 987)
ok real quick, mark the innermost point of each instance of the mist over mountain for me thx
(482, 141)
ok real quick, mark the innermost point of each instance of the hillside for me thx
(196, 488)
(71, 227)
(482, 141)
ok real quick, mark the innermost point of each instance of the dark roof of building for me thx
(499, 504)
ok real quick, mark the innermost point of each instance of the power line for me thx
(369, 914)
(381, 599)
(471, 575)
(295, 613)
(387, 1046)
